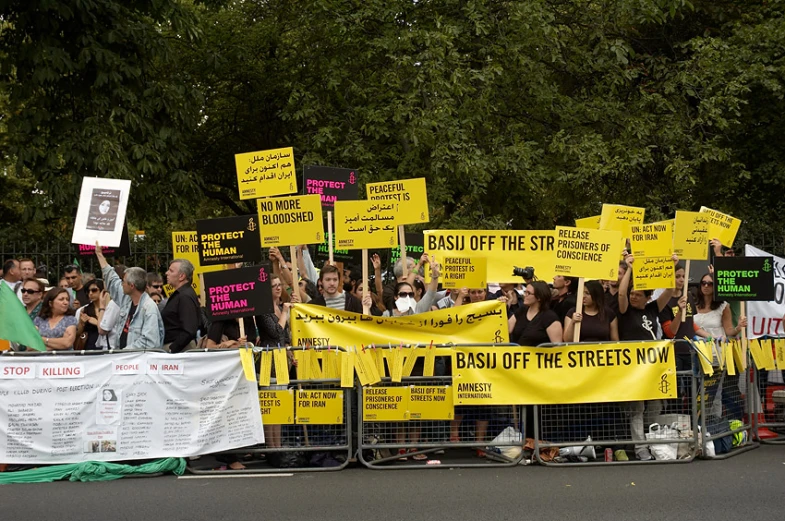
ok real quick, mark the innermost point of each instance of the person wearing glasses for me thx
(73, 275)
(535, 323)
(32, 296)
(714, 316)
(89, 317)
(56, 322)
(155, 286)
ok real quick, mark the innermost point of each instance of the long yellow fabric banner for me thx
(577, 373)
(482, 322)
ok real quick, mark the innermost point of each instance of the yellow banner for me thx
(593, 254)
(652, 240)
(385, 404)
(503, 249)
(431, 402)
(277, 407)
(590, 223)
(185, 245)
(319, 407)
(653, 273)
(691, 235)
(266, 173)
(482, 322)
(574, 373)
(365, 224)
(409, 194)
(464, 272)
(289, 221)
(619, 217)
(722, 226)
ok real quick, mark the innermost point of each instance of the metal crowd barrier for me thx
(439, 443)
(293, 443)
(767, 410)
(581, 434)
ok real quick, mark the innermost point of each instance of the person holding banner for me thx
(56, 322)
(333, 296)
(673, 326)
(599, 322)
(638, 321)
(535, 323)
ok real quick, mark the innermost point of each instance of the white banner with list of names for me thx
(125, 406)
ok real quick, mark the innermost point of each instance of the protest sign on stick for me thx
(331, 184)
(266, 173)
(290, 221)
(100, 216)
(722, 226)
(228, 240)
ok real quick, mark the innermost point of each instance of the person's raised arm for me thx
(663, 299)
(377, 273)
(428, 299)
(112, 281)
(624, 285)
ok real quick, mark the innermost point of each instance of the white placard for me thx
(765, 318)
(206, 407)
(101, 213)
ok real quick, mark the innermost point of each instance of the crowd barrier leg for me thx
(482, 437)
(725, 418)
(582, 434)
(767, 406)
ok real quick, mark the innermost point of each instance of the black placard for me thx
(331, 184)
(237, 293)
(124, 250)
(228, 240)
(415, 247)
(744, 278)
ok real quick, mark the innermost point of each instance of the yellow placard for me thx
(396, 366)
(409, 194)
(705, 356)
(738, 356)
(289, 221)
(266, 173)
(574, 373)
(246, 359)
(185, 245)
(464, 272)
(652, 240)
(479, 322)
(319, 407)
(619, 217)
(281, 364)
(590, 223)
(503, 249)
(653, 273)
(347, 368)
(779, 348)
(277, 407)
(593, 254)
(728, 355)
(388, 404)
(691, 235)
(722, 226)
(431, 402)
(365, 224)
(265, 368)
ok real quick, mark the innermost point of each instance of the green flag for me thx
(15, 324)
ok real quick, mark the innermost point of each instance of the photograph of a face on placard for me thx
(101, 212)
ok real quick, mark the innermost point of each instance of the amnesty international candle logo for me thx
(766, 266)
(352, 178)
(664, 385)
(262, 275)
(238, 293)
(251, 225)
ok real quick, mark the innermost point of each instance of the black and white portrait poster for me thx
(101, 212)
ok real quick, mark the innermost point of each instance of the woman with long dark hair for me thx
(535, 323)
(714, 316)
(599, 323)
(89, 316)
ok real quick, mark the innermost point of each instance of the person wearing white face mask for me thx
(405, 301)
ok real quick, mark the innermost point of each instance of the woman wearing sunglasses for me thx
(714, 316)
(89, 317)
(32, 296)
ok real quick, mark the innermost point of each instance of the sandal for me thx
(420, 456)
(480, 453)
(402, 455)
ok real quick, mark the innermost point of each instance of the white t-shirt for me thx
(111, 313)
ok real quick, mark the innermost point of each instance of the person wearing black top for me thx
(566, 298)
(535, 323)
(674, 327)
(598, 322)
(181, 313)
(639, 322)
(612, 293)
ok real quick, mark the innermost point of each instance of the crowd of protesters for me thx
(126, 309)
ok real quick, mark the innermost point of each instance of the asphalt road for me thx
(747, 487)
